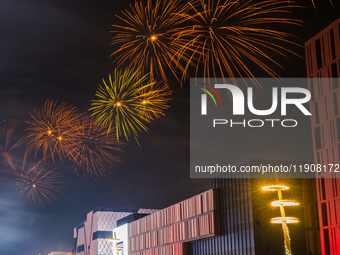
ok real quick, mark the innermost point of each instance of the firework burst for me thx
(152, 100)
(39, 182)
(128, 105)
(145, 38)
(227, 34)
(96, 152)
(50, 130)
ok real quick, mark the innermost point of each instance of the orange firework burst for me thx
(51, 129)
(128, 105)
(96, 152)
(39, 183)
(146, 38)
(152, 101)
(226, 34)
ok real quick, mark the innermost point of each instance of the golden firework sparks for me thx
(128, 105)
(50, 130)
(146, 38)
(228, 35)
(153, 101)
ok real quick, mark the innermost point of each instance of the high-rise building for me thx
(323, 61)
(91, 236)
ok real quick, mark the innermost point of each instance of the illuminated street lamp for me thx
(284, 220)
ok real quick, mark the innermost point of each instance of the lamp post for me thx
(284, 220)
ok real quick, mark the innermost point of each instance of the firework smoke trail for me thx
(8, 146)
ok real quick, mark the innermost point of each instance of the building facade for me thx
(233, 218)
(166, 231)
(91, 236)
(323, 61)
(245, 213)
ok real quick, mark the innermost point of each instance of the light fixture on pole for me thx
(284, 220)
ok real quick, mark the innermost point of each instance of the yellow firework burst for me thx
(39, 182)
(229, 36)
(128, 105)
(145, 38)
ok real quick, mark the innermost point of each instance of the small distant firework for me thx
(9, 145)
(128, 105)
(3, 124)
(227, 35)
(39, 183)
(96, 152)
(51, 129)
(146, 38)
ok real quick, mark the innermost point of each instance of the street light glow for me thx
(285, 203)
(275, 188)
(284, 220)
(280, 220)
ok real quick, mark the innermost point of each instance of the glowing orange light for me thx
(278, 220)
(33, 185)
(144, 102)
(118, 104)
(49, 131)
(285, 203)
(275, 188)
(153, 38)
(59, 137)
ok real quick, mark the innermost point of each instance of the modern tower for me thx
(323, 61)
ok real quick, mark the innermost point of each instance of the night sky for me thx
(58, 49)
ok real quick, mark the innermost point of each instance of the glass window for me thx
(318, 53)
(317, 138)
(335, 102)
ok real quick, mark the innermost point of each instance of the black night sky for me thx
(59, 49)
